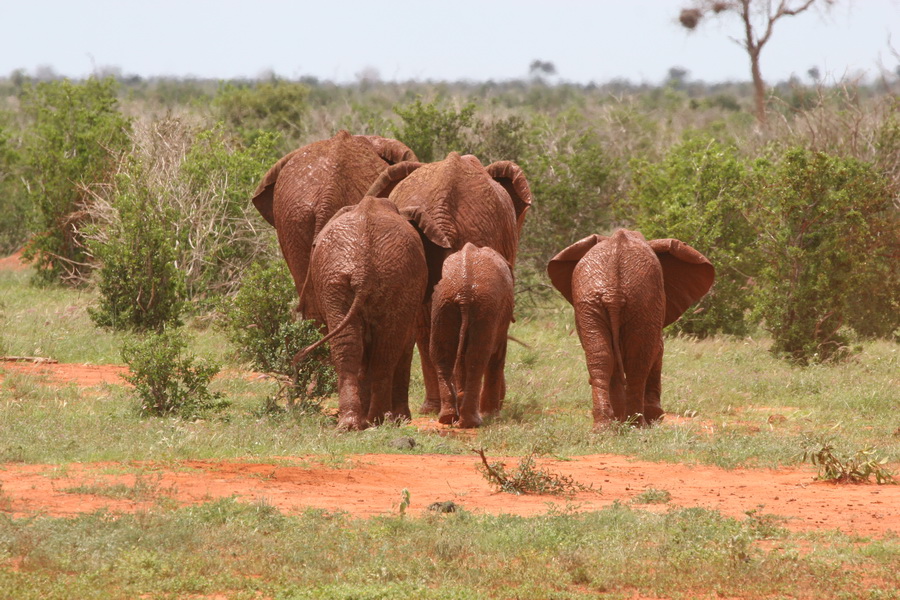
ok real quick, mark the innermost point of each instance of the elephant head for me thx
(302, 191)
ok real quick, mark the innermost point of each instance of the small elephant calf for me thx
(471, 310)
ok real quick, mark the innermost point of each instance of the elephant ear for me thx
(561, 266)
(512, 178)
(687, 275)
(426, 225)
(390, 177)
(264, 195)
(390, 150)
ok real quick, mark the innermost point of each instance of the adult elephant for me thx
(466, 202)
(625, 290)
(305, 188)
(368, 276)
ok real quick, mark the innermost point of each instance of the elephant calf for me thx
(368, 275)
(471, 310)
(625, 290)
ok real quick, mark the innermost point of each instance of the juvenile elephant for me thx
(368, 275)
(625, 290)
(471, 309)
(305, 188)
(467, 202)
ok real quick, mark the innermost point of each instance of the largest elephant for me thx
(305, 188)
(467, 203)
(625, 290)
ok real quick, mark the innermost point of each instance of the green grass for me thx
(253, 550)
(730, 404)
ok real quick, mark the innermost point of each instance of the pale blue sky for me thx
(587, 40)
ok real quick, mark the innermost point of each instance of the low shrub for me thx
(259, 322)
(167, 380)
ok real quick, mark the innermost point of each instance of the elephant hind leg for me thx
(653, 411)
(494, 389)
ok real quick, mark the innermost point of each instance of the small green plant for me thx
(528, 479)
(167, 380)
(142, 490)
(405, 500)
(652, 496)
(848, 468)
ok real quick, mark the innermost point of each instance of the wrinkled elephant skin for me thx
(471, 309)
(304, 189)
(625, 290)
(466, 202)
(368, 275)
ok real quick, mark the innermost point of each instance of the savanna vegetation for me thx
(131, 199)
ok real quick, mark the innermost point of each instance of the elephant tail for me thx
(463, 332)
(614, 312)
(354, 310)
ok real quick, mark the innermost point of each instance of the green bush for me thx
(271, 107)
(14, 202)
(140, 285)
(167, 380)
(823, 228)
(694, 194)
(571, 178)
(71, 147)
(260, 324)
(220, 233)
(433, 132)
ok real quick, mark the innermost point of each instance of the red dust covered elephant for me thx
(625, 290)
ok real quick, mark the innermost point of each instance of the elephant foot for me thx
(352, 422)
(431, 406)
(469, 422)
(653, 414)
(448, 417)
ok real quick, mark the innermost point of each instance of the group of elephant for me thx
(388, 253)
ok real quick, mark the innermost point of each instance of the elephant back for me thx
(464, 201)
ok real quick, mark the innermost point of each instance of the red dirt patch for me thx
(63, 373)
(368, 485)
(13, 262)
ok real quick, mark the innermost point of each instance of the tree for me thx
(756, 16)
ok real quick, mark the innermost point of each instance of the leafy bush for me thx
(432, 132)
(201, 182)
(167, 380)
(140, 286)
(274, 106)
(259, 323)
(571, 178)
(527, 479)
(694, 194)
(72, 145)
(823, 227)
(850, 468)
(14, 202)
